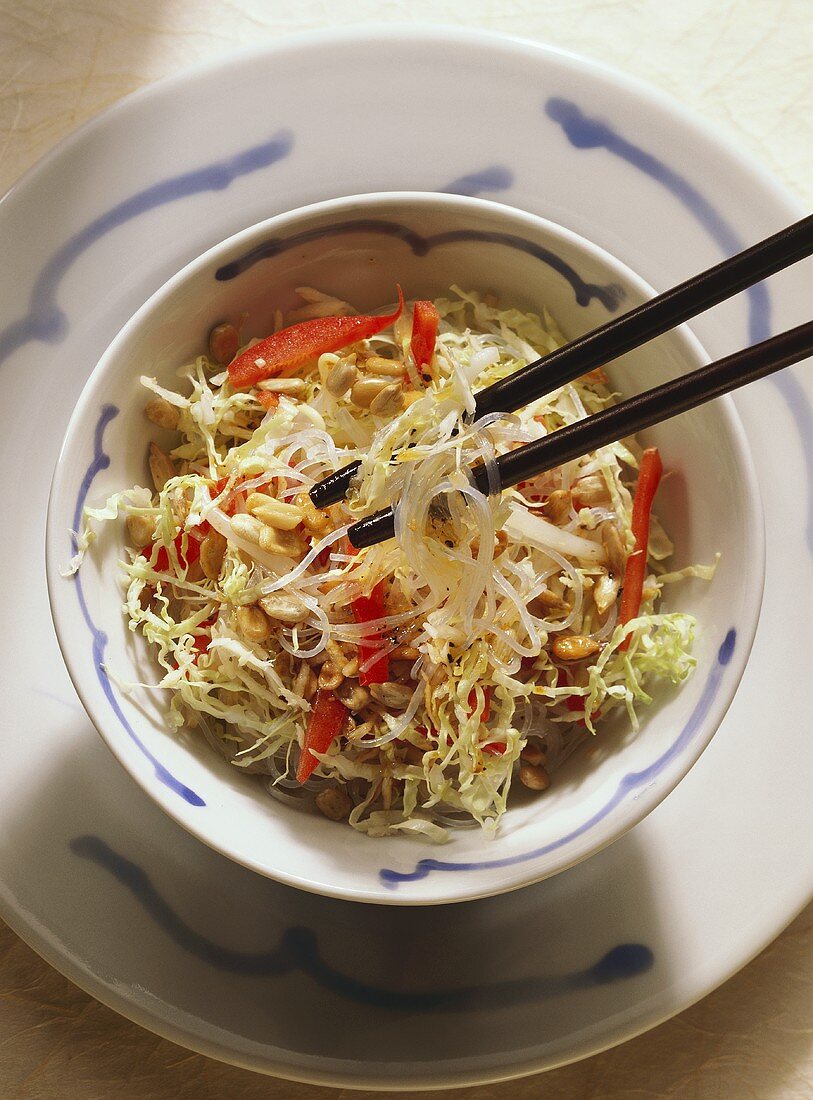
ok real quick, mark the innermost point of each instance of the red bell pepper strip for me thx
(229, 505)
(194, 538)
(649, 476)
(326, 720)
(267, 399)
(574, 703)
(365, 609)
(289, 349)
(162, 557)
(495, 748)
(200, 643)
(486, 703)
(425, 321)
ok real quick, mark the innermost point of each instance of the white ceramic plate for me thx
(181, 940)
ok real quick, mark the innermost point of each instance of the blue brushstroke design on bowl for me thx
(100, 461)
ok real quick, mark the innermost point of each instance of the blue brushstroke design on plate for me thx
(629, 783)
(496, 177)
(298, 951)
(610, 294)
(45, 321)
(584, 132)
(100, 461)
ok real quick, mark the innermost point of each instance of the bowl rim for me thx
(458, 888)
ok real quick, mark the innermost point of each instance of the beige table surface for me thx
(746, 65)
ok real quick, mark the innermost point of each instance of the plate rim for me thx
(189, 1040)
(414, 32)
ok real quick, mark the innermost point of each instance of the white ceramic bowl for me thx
(359, 248)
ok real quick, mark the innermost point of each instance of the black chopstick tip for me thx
(334, 487)
(321, 495)
(373, 529)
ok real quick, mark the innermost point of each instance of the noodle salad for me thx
(402, 688)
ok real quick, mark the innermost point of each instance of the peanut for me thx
(341, 378)
(194, 572)
(575, 647)
(605, 591)
(161, 467)
(223, 344)
(274, 513)
(334, 803)
(316, 521)
(253, 623)
(353, 695)
(275, 541)
(557, 506)
(350, 668)
(388, 402)
(616, 557)
(591, 489)
(366, 390)
(389, 368)
(140, 530)
(291, 387)
(533, 754)
(283, 608)
(330, 677)
(305, 682)
(247, 527)
(162, 413)
(534, 777)
(545, 602)
(212, 550)
(392, 695)
(335, 653)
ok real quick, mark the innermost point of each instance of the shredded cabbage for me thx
(246, 619)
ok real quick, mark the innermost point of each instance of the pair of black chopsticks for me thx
(606, 343)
